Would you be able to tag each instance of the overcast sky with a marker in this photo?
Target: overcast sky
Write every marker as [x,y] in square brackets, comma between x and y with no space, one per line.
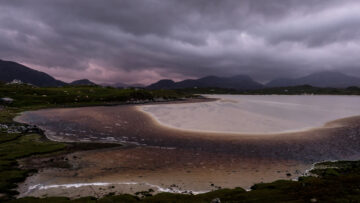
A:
[141,41]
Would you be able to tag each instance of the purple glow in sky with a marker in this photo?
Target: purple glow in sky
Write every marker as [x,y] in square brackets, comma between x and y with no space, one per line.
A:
[134,41]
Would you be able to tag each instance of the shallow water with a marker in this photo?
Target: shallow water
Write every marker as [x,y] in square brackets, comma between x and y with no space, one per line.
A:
[253,114]
[127,124]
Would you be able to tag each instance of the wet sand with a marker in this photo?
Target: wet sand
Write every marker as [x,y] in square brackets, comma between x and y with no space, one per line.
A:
[167,159]
[255,114]
[170,170]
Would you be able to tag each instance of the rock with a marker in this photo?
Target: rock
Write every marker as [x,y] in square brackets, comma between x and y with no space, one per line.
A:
[20,128]
[32,129]
[216,200]
[3,126]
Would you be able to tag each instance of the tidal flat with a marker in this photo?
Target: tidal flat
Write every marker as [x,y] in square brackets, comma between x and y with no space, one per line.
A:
[194,147]
[255,114]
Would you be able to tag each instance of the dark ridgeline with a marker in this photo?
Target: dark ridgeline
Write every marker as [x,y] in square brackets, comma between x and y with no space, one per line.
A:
[239,82]
[163,84]
[319,79]
[10,71]
[122,85]
[243,82]
[82,82]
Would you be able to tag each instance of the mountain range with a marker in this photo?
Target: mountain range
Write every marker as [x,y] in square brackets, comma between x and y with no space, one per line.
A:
[319,79]
[10,71]
[239,82]
[243,82]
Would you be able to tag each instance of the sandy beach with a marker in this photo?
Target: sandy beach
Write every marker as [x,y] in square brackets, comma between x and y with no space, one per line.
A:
[166,159]
[139,169]
[255,114]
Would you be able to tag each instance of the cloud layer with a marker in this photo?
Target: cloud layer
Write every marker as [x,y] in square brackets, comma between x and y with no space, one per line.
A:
[142,41]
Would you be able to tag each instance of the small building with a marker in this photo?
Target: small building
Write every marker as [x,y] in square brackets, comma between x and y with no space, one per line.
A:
[6,100]
[15,82]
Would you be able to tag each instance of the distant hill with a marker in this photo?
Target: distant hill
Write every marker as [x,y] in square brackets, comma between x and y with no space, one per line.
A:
[319,79]
[82,82]
[10,71]
[239,82]
[163,84]
[136,85]
[122,85]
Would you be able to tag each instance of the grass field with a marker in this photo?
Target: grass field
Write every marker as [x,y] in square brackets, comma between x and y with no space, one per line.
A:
[26,96]
[294,90]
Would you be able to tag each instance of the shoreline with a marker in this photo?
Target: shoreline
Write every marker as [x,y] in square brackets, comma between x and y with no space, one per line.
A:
[159,189]
[18,119]
[138,152]
[158,181]
[139,107]
[161,119]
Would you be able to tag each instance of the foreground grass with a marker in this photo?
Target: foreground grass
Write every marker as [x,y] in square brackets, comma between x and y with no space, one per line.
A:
[23,146]
[14,146]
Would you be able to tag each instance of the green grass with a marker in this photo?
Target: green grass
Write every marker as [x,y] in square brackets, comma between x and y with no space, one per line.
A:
[5,137]
[13,149]
[294,90]
[25,96]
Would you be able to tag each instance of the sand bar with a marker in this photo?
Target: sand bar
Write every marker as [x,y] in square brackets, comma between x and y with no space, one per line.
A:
[255,114]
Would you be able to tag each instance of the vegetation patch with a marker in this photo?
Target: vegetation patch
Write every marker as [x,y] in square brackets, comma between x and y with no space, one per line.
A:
[27,96]
[293,90]
[11,150]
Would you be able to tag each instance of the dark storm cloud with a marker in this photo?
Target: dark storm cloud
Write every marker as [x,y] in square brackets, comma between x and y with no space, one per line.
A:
[142,41]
